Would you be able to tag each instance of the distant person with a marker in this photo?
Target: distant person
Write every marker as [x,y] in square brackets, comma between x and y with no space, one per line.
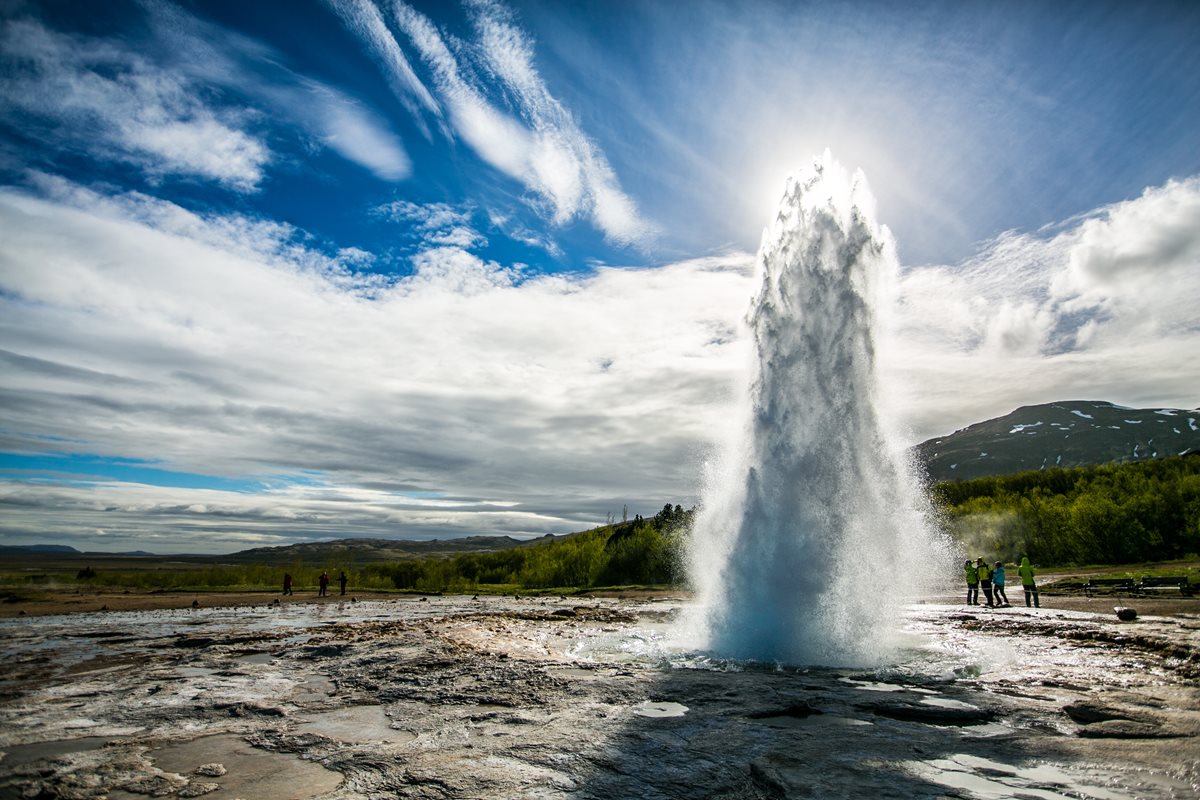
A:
[287,583]
[985,580]
[342,581]
[324,581]
[1026,572]
[972,574]
[998,579]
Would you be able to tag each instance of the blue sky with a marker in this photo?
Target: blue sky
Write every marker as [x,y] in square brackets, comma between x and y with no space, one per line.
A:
[275,271]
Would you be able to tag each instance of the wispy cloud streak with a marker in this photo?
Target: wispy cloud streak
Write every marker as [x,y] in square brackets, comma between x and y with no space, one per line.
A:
[365,19]
[542,147]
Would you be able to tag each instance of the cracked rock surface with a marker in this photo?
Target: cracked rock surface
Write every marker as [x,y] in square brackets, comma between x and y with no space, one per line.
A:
[553,698]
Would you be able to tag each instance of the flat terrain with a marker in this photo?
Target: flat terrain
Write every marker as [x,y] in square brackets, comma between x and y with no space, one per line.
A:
[453,697]
[42,602]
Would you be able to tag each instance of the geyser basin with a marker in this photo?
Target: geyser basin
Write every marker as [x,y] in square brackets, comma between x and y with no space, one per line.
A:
[814,522]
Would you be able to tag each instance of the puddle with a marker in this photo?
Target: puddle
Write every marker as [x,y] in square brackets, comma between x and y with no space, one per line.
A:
[256,658]
[19,754]
[649,708]
[577,674]
[195,672]
[357,724]
[946,702]
[249,772]
[313,689]
[874,686]
[985,778]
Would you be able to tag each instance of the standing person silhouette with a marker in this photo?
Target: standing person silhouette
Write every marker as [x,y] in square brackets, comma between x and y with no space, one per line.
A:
[342,580]
[998,580]
[985,580]
[287,583]
[972,575]
[324,581]
[1026,572]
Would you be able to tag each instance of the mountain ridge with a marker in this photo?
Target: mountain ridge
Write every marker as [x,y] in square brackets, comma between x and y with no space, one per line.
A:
[1063,433]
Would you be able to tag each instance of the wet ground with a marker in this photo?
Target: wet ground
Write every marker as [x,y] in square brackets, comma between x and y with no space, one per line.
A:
[452,697]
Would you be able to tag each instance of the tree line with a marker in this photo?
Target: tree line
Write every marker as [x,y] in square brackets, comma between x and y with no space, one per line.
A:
[642,552]
[1111,514]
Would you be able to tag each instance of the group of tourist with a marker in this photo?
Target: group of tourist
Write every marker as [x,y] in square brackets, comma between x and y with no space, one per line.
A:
[992,579]
[322,582]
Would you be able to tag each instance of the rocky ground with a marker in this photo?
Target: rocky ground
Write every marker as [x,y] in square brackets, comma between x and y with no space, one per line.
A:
[453,697]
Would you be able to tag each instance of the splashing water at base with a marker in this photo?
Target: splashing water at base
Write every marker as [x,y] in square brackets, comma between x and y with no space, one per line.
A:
[813,528]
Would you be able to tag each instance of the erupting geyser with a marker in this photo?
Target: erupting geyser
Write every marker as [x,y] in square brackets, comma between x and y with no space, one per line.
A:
[813,530]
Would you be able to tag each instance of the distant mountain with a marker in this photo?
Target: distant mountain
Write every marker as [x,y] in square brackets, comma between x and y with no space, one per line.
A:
[39,548]
[373,550]
[1072,433]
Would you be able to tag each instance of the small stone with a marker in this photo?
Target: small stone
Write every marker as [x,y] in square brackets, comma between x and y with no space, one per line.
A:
[1125,614]
[213,770]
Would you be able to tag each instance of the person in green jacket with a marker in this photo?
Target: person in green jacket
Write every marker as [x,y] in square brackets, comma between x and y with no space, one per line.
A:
[1026,572]
[972,574]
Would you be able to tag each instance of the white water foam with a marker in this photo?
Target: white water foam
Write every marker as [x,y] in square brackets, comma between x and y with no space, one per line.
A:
[813,529]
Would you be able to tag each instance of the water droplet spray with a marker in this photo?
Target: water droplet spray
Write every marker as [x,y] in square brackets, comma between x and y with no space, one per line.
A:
[813,528]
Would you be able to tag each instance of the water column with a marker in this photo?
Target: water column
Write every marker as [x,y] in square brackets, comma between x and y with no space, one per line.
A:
[812,529]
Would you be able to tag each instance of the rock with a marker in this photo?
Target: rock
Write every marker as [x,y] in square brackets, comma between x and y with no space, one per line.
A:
[1125,614]
[1127,729]
[197,789]
[929,714]
[795,711]
[195,604]
[213,770]
[1088,713]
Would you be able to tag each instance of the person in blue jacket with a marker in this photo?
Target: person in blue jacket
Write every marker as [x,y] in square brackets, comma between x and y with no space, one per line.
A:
[998,584]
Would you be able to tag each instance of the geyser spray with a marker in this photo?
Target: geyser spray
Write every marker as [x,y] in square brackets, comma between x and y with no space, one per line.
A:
[813,527]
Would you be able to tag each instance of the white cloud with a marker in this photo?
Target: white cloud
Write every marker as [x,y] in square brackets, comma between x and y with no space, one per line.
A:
[222,346]
[436,224]
[543,148]
[130,107]
[568,164]
[189,102]
[523,403]
[347,127]
[1102,307]
[363,17]
[1138,263]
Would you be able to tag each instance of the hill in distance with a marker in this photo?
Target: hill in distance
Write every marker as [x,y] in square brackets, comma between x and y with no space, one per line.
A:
[372,550]
[1072,433]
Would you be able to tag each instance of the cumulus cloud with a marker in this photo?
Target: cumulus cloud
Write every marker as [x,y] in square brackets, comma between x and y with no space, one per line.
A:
[1101,307]
[1137,263]
[517,399]
[435,224]
[472,397]
[542,145]
[131,108]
